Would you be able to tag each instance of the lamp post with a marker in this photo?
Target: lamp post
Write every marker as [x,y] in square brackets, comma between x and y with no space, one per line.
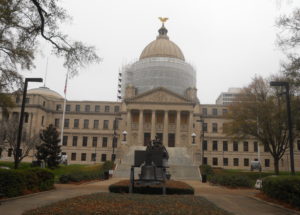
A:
[288,106]
[113,157]
[193,136]
[202,138]
[17,153]
[124,135]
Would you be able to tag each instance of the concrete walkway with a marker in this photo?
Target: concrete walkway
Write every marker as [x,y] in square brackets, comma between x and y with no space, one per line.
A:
[237,201]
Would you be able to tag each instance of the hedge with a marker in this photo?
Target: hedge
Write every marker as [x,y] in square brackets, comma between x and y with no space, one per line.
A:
[231,180]
[172,187]
[284,188]
[87,173]
[19,182]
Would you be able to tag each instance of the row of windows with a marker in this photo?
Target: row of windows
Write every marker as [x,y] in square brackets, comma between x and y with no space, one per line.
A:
[86,123]
[87,108]
[85,141]
[83,157]
[214,111]
[246,161]
[235,146]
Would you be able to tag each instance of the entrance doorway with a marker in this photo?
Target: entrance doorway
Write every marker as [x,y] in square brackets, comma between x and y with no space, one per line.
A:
[171,140]
[147,138]
[160,136]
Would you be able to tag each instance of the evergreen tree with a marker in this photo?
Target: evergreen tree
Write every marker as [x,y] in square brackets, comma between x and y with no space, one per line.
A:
[49,151]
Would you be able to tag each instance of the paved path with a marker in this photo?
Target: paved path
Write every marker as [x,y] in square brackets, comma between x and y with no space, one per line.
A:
[237,201]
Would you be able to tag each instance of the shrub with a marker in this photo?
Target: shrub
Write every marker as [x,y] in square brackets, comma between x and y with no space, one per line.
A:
[231,180]
[18,182]
[172,187]
[285,188]
[86,173]
[206,170]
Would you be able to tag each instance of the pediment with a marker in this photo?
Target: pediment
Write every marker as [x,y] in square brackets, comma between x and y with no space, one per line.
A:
[160,95]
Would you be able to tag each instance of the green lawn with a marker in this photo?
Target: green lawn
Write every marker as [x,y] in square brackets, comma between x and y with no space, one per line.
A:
[22,165]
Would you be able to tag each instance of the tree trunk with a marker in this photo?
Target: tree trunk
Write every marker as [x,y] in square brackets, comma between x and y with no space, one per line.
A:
[276,166]
[17,161]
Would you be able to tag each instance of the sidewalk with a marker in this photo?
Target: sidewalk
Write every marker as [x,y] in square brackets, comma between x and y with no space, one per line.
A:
[237,201]
[62,191]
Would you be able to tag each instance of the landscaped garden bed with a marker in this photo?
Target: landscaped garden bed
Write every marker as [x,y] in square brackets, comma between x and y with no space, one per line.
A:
[119,204]
[172,187]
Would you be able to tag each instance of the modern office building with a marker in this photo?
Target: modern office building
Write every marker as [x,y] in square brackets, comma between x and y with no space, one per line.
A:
[229,97]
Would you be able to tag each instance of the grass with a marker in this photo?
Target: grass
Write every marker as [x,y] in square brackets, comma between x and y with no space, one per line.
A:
[22,165]
[134,204]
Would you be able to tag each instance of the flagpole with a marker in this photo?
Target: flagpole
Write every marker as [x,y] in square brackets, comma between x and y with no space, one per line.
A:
[64,111]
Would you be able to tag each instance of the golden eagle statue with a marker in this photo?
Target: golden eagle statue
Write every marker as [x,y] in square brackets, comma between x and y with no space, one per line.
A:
[163,19]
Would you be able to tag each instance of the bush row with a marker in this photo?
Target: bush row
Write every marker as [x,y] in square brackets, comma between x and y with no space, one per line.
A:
[284,188]
[172,187]
[232,180]
[87,173]
[19,182]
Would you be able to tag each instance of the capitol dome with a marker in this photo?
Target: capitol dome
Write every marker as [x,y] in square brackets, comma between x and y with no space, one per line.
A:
[162,47]
[45,91]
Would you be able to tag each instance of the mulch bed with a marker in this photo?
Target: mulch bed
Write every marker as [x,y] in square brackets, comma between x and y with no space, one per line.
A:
[266,198]
[133,204]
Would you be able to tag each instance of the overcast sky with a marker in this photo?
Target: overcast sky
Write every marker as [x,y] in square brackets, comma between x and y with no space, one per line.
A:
[227,42]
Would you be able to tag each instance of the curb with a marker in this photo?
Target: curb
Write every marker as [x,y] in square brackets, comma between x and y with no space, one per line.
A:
[275,205]
[25,196]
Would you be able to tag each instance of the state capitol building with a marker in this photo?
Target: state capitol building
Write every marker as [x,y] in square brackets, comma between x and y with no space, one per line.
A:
[159,98]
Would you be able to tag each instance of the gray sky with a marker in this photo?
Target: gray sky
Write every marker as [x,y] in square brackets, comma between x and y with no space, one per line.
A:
[228,42]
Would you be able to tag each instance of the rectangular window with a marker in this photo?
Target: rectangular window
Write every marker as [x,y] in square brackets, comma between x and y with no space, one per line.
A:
[10,152]
[58,107]
[104,142]
[17,99]
[235,162]
[97,108]
[77,108]
[266,148]
[74,143]
[214,127]
[87,108]
[214,111]
[67,121]
[84,141]
[204,111]
[44,103]
[26,117]
[246,162]
[204,127]
[235,146]
[76,123]
[27,100]
[93,157]
[73,156]
[205,160]
[105,124]
[95,139]
[267,162]
[225,146]
[96,123]
[65,140]
[215,161]
[83,156]
[86,123]
[245,146]
[103,157]
[56,123]
[43,119]
[255,146]
[298,145]
[204,145]
[106,108]
[117,109]
[215,145]
[68,108]
[225,161]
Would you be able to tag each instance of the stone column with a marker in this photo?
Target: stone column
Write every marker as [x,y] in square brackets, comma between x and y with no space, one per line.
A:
[141,129]
[128,128]
[166,128]
[153,129]
[190,128]
[177,135]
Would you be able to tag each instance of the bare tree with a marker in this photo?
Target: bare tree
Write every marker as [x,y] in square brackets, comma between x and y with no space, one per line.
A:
[8,140]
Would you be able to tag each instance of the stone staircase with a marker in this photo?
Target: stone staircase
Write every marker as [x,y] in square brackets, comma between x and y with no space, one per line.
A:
[180,163]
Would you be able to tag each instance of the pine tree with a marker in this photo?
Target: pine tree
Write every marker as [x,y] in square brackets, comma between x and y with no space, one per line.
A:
[49,151]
